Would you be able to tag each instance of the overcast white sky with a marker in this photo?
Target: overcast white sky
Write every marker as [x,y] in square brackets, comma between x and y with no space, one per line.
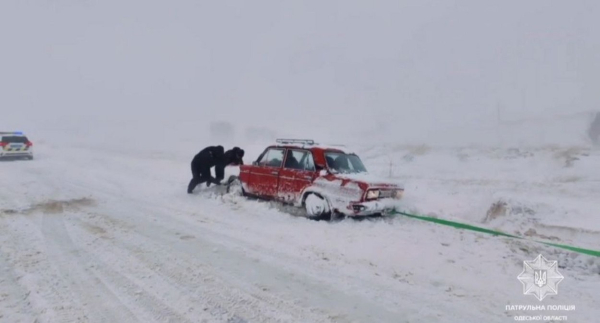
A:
[409,65]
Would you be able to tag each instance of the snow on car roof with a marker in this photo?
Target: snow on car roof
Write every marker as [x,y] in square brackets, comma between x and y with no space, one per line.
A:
[310,144]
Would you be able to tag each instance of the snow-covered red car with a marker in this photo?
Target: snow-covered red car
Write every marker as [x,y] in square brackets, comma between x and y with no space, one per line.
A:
[328,181]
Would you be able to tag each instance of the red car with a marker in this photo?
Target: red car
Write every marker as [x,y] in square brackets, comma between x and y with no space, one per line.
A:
[327,181]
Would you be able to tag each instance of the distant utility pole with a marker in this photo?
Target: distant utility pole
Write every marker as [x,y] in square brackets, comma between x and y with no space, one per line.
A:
[499,123]
[498,117]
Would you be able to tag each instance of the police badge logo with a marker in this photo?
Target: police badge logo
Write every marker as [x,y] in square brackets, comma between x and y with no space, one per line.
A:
[540,277]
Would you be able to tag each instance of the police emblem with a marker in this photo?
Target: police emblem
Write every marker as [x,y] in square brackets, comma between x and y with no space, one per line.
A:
[540,277]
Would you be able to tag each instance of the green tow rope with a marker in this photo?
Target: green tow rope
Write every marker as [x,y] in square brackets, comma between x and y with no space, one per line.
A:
[465,226]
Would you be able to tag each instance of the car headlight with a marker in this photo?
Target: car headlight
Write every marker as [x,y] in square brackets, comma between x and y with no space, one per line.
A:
[372,195]
[398,194]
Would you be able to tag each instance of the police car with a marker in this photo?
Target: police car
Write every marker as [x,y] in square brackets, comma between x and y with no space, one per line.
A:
[15,145]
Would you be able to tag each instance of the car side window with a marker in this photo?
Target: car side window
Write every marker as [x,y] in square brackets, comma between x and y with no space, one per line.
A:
[294,158]
[273,158]
[299,159]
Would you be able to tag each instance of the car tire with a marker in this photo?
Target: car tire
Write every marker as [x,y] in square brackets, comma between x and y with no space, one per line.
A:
[235,187]
[317,207]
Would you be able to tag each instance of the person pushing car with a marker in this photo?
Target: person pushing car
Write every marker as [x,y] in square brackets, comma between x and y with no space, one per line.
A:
[213,156]
[233,156]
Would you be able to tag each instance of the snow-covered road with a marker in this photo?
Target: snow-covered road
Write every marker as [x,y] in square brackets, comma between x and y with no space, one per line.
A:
[92,234]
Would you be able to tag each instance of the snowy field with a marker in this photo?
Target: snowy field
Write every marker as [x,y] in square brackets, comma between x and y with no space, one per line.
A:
[96,232]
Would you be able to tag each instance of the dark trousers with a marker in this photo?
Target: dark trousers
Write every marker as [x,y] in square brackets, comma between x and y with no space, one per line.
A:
[199,177]
[194,182]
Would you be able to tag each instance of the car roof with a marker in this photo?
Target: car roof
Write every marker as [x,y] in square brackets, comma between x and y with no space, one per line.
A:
[12,133]
[309,145]
[311,148]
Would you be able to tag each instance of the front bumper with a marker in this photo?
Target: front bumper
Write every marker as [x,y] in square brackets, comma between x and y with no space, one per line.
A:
[382,206]
[18,154]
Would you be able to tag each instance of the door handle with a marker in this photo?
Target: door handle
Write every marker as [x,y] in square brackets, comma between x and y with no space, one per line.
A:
[308,177]
[274,173]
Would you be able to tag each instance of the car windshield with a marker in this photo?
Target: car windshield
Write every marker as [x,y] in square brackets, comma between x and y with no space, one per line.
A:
[344,163]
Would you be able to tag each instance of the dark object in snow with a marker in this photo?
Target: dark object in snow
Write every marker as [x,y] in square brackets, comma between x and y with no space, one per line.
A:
[594,130]
[202,163]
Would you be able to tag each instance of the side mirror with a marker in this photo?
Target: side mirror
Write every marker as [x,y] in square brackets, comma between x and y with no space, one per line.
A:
[321,170]
[254,163]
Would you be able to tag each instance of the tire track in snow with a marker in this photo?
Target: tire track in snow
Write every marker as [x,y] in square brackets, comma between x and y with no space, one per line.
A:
[74,264]
[295,279]
[151,300]
[14,304]
[48,293]
[364,291]
[230,299]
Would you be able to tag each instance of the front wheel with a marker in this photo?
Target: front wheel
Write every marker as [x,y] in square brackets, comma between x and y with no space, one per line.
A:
[317,208]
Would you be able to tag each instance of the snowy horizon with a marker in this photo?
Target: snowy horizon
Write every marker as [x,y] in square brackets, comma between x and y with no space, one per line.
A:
[418,72]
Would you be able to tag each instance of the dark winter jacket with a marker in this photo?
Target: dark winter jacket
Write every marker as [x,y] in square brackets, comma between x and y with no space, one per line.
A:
[206,159]
[231,157]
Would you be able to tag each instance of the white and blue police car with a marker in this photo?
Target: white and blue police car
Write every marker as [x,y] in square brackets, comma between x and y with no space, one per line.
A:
[15,144]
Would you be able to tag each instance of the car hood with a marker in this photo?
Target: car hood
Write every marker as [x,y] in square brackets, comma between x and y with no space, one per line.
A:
[371,180]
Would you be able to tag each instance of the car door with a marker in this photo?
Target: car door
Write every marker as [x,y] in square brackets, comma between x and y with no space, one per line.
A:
[247,173]
[264,178]
[297,173]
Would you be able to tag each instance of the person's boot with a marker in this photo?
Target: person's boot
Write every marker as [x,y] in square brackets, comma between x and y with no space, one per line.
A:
[191,187]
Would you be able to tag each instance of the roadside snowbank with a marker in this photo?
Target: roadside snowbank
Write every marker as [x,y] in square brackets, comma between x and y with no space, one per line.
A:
[543,192]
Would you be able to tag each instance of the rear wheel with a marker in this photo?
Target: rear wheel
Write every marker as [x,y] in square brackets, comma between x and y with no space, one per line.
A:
[317,208]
